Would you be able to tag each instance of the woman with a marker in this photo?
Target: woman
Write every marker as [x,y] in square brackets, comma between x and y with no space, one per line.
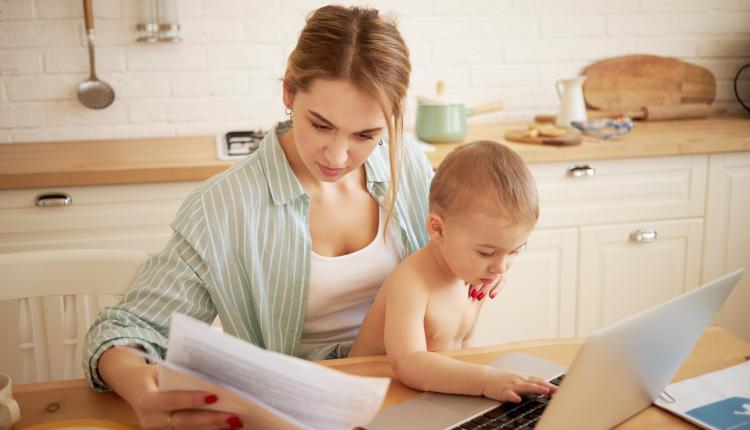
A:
[290,245]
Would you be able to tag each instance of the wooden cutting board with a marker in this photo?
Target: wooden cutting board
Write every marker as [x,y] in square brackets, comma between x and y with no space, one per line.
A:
[635,81]
[567,139]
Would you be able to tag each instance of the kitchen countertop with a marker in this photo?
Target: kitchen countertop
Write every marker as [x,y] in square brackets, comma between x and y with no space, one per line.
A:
[647,139]
[81,163]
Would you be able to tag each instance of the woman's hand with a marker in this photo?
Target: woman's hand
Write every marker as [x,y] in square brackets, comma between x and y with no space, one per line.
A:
[482,290]
[136,382]
[507,386]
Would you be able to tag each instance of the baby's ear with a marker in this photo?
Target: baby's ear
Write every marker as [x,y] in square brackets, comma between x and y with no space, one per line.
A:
[435,227]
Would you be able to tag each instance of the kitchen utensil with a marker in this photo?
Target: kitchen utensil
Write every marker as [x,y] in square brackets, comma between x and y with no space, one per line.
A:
[649,113]
[634,81]
[441,120]
[9,411]
[521,136]
[736,91]
[572,106]
[93,93]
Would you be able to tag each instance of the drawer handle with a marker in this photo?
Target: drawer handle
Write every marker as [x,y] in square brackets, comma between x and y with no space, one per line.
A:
[53,199]
[643,236]
[581,171]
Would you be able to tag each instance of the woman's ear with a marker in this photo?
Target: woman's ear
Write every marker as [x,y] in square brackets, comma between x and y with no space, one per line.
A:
[435,227]
[287,93]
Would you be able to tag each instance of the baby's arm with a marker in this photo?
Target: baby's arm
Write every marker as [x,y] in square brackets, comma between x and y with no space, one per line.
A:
[406,347]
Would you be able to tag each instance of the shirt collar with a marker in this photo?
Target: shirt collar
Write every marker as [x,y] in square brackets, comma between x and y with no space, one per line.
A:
[377,165]
[282,181]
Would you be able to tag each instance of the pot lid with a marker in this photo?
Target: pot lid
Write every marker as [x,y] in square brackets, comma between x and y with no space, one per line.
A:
[437,99]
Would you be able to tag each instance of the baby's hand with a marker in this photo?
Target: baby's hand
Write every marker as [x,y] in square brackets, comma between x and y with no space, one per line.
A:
[507,386]
[480,291]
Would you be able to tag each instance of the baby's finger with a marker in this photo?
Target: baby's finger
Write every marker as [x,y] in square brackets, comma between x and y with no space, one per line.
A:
[510,396]
[531,387]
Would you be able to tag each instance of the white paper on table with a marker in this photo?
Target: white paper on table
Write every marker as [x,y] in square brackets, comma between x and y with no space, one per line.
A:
[284,391]
[703,390]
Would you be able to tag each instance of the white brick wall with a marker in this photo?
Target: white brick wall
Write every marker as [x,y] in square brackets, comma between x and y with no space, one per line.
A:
[225,73]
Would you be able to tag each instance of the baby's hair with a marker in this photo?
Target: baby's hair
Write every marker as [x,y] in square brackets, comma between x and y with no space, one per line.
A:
[485,176]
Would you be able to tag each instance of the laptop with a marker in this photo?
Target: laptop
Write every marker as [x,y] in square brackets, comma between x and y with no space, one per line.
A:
[619,371]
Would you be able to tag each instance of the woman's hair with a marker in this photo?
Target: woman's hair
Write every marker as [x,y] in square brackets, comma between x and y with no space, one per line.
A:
[485,176]
[358,45]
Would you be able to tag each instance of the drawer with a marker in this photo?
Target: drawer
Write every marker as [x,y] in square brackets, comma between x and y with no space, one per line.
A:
[605,191]
[116,206]
[101,194]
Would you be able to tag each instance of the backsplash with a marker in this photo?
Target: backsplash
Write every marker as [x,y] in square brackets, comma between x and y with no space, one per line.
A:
[226,72]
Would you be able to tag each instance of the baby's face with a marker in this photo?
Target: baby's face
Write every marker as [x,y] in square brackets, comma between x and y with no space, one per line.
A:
[478,247]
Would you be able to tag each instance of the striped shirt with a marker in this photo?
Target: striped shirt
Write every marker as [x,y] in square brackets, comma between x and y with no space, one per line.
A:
[241,249]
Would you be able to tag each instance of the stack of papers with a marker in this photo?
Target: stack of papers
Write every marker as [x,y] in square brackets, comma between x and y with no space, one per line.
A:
[265,389]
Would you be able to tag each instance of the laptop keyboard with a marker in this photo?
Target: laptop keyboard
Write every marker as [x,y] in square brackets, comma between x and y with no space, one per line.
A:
[522,415]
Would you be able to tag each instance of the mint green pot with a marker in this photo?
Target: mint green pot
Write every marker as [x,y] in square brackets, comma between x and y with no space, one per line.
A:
[447,123]
[440,124]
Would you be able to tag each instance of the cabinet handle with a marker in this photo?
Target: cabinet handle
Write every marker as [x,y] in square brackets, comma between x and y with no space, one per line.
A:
[644,235]
[581,171]
[53,199]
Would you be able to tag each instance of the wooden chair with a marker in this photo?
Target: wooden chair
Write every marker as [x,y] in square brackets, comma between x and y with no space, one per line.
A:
[58,294]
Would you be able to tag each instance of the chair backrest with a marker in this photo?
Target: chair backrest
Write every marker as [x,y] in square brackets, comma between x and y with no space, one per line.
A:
[58,293]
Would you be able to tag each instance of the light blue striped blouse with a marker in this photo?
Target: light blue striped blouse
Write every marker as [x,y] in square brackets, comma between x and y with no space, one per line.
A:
[241,250]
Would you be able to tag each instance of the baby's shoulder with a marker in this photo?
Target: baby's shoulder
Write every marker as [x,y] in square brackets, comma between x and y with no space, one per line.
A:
[406,277]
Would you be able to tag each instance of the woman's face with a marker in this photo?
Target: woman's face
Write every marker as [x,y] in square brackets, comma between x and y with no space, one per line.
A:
[336,127]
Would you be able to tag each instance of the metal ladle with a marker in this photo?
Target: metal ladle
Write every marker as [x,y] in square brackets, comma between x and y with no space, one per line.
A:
[93,93]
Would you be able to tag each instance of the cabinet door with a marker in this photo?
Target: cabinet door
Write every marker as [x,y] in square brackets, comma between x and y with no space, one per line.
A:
[727,238]
[623,190]
[538,300]
[621,274]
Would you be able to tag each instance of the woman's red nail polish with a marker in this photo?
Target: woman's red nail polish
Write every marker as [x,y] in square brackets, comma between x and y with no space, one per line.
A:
[234,422]
[480,296]
[210,399]
[473,292]
[492,295]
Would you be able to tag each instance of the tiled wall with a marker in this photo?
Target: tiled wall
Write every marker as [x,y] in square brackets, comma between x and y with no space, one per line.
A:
[225,73]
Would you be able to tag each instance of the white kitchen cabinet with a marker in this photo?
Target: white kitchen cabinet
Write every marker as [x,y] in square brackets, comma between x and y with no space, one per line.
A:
[727,236]
[587,263]
[591,192]
[625,269]
[538,301]
[134,216]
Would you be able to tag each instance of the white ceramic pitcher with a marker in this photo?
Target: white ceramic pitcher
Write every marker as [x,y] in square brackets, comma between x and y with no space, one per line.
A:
[572,105]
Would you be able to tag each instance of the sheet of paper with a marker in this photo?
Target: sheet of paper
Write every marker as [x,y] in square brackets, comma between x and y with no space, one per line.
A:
[300,392]
[716,400]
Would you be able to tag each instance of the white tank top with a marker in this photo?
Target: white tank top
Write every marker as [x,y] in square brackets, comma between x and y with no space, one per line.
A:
[343,288]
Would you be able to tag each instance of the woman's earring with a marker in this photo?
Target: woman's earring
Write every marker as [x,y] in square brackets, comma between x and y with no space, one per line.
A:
[381,142]
[288,111]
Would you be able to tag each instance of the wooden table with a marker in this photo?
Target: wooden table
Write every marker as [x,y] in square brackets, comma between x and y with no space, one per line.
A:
[51,401]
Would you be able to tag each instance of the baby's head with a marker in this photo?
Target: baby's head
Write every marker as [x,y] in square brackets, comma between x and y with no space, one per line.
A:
[483,206]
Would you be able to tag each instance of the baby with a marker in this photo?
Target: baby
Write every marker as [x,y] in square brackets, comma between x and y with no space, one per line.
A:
[483,206]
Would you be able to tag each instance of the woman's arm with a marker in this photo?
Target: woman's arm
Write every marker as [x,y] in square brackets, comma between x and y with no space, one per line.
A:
[166,284]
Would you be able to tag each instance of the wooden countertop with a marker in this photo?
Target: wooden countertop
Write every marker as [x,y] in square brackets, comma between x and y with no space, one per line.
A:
[647,139]
[100,162]
[80,163]
[65,400]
